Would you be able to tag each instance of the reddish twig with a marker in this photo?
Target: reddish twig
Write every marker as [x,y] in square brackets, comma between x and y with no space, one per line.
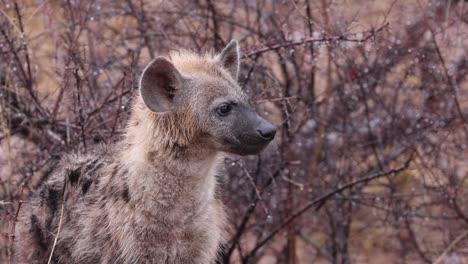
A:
[269,47]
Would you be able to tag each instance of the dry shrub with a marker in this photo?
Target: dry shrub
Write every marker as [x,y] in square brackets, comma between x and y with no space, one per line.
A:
[370,98]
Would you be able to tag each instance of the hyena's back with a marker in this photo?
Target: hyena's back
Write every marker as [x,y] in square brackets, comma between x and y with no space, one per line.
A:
[73,196]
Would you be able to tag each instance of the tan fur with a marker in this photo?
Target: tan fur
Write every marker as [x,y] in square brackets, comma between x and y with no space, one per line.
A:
[148,199]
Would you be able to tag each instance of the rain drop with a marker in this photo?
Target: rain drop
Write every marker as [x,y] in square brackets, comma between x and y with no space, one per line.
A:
[269,219]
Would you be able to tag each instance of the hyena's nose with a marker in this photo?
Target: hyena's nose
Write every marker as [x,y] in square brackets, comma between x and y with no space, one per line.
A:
[267,131]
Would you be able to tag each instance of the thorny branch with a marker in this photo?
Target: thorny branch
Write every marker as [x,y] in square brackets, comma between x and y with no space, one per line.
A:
[350,98]
[288,44]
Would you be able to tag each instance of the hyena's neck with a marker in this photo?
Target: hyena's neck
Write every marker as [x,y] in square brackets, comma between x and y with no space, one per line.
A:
[165,173]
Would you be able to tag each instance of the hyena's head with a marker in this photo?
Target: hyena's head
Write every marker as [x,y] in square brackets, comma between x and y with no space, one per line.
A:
[204,89]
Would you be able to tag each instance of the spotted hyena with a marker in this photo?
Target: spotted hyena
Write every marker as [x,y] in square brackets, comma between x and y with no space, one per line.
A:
[151,197]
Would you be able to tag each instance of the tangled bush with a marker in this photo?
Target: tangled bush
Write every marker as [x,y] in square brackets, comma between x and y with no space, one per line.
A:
[370,98]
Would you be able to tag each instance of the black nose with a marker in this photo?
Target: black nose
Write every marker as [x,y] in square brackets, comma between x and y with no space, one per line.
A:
[267,131]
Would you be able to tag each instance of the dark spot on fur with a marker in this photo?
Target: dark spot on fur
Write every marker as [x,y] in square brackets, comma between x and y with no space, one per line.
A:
[126,193]
[86,185]
[36,230]
[43,195]
[98,139]
[74,175]
[52,200]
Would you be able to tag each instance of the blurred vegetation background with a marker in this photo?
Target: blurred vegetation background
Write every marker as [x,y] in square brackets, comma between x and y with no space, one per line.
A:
[371,98]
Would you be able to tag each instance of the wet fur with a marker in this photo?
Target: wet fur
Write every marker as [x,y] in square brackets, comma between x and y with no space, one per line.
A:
[148,199]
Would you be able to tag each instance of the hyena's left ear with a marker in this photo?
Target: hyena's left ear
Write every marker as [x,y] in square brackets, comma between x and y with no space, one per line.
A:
[160,84]
[229,58]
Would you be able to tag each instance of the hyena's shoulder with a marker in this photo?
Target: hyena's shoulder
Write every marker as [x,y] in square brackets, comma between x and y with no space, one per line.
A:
[72,185]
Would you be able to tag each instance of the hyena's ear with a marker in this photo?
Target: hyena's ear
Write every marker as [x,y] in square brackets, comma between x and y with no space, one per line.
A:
[229,58]
[159,85]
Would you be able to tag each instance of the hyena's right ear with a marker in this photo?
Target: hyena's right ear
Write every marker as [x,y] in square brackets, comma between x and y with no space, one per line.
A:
[229,58]
[159,85]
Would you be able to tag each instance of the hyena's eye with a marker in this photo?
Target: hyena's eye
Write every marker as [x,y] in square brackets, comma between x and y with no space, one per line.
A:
[224,109]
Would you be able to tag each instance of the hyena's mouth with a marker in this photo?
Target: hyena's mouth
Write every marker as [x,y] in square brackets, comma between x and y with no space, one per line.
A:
[247,145]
